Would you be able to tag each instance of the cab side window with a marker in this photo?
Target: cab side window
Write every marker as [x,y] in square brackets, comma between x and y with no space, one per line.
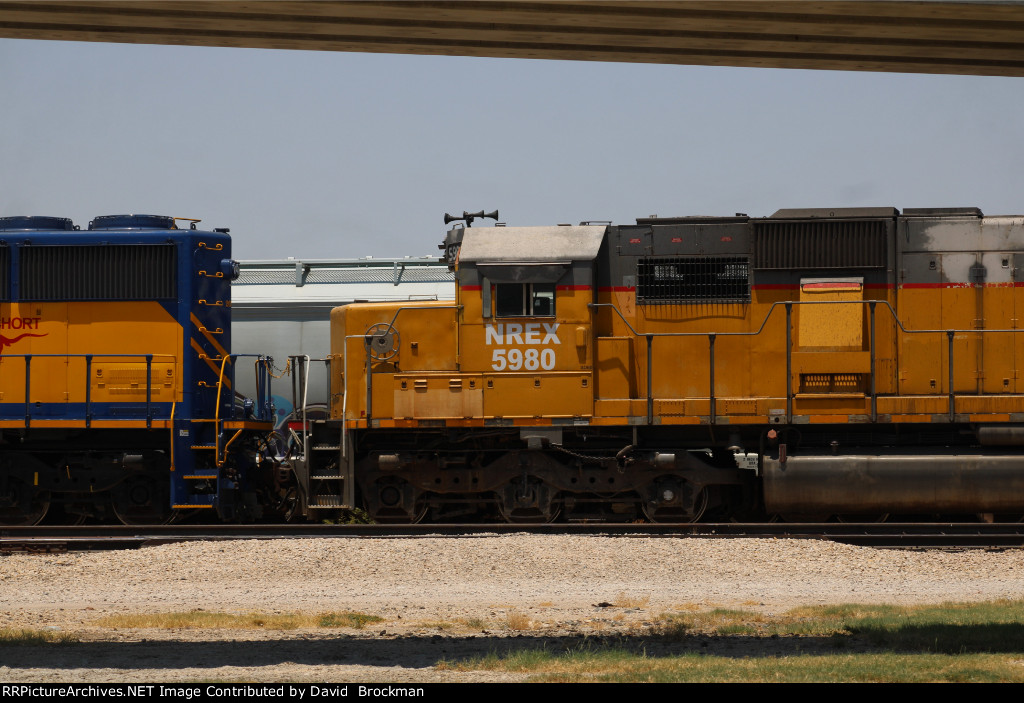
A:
[524,299]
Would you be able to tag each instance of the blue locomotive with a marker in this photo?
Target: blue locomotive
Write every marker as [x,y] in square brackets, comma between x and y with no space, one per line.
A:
[116,375]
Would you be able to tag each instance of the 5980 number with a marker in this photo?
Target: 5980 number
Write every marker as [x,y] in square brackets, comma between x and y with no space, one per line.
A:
[517,359]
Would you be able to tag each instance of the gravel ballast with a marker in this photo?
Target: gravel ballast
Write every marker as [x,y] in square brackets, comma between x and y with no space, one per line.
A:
[440,598]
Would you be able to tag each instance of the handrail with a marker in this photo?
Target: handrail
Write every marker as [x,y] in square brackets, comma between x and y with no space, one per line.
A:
[788,304]
[369,365]
[216,414]
[88,393]
[301,365]
[149,390]
[89,358]
[712,336]
[305,397]
[391,325]
[261,393]
[777,303]
[344,398]
[170,426]
[82,356]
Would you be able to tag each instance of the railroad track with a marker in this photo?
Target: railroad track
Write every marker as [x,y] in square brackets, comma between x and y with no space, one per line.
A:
[55,538]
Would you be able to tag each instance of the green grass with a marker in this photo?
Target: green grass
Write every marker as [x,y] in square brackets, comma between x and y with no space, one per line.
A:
[354,516]
[348,619]
[202,619]
[458,625]
[950,628]
[11,637]
[952,642]
[620,666]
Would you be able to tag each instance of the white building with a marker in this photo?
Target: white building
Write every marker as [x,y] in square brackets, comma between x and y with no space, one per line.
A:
[282,308]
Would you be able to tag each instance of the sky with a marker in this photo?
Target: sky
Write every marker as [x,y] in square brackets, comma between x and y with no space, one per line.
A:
[342,155]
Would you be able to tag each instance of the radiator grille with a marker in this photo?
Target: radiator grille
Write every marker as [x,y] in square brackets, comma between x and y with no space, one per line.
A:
[109,272]
[693,279]
[820,244]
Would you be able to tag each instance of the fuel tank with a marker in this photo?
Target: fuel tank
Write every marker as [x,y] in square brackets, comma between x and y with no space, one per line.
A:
[967,483]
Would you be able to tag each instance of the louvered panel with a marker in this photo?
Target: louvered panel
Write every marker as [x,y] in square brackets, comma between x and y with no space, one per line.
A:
[113,272]
[692,279]
[820,244]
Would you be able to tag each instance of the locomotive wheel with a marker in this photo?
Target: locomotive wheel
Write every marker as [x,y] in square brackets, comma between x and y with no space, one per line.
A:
[386,516]
[528,516]
[393,501]
[656,513]
[142,500]
[1000,517]
[62,515]
[420,513]
[21,504]
[290,505]
[528,501]
[671,499]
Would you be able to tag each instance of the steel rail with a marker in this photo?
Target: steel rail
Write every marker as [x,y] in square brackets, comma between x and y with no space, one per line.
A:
[50,538]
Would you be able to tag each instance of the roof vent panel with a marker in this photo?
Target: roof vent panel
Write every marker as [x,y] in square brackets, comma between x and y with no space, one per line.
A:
[36,222]
[132,222]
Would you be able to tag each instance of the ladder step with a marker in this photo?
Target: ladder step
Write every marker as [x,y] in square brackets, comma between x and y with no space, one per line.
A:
[326,447]
[204,500]
[199,477]
[204,446]
[327,477]
[327,501]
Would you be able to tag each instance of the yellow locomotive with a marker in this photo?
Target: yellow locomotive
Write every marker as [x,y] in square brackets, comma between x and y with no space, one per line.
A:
[814,363]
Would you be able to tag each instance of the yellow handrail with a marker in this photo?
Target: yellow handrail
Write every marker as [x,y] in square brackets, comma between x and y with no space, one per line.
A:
[216,416]
[221,462]
[171,424]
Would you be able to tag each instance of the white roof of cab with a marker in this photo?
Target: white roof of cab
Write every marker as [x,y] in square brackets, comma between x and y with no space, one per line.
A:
[531,244]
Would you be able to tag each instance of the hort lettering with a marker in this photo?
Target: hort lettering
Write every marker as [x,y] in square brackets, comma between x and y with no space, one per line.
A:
[19,323]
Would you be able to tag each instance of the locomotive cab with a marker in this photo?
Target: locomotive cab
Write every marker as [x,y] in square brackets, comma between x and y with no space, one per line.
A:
[526,324]
[513,350]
